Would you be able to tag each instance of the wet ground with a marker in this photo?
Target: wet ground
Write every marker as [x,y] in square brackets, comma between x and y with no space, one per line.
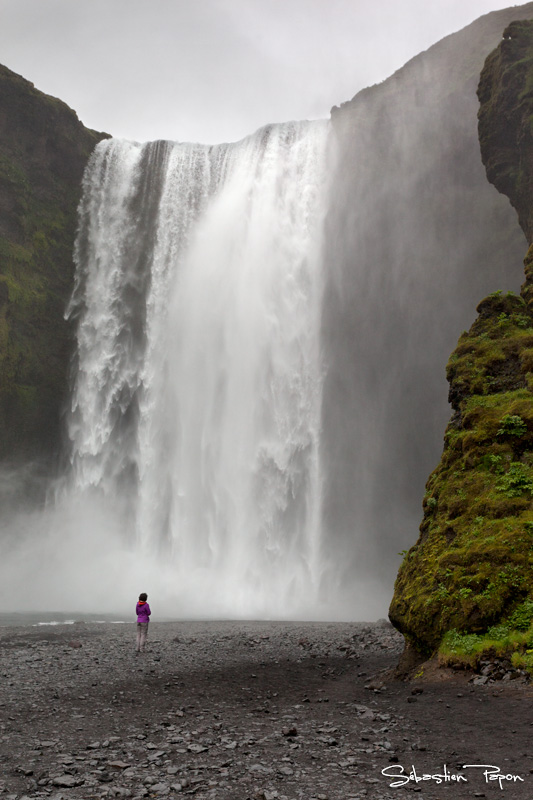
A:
[260,710]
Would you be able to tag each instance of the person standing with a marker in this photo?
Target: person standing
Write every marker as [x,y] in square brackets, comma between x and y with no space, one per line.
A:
[143,612]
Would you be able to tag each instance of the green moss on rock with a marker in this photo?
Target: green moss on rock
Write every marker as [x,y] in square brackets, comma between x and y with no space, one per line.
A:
[473,562]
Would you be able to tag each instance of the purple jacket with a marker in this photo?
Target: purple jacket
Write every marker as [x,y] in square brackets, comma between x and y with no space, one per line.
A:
[143,612]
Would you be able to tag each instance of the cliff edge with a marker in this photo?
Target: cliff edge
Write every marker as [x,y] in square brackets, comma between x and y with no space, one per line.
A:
[43,151]
[466,586]
[415,237]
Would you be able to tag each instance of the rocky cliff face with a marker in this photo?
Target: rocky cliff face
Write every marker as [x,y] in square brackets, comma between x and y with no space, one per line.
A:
[471,570]
[43,152]
[415,237]
[506,119]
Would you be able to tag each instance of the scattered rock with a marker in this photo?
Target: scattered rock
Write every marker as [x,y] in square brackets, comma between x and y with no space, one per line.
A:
[67,781]
[289,731]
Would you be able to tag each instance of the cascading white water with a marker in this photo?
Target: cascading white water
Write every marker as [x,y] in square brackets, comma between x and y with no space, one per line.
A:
[196,403]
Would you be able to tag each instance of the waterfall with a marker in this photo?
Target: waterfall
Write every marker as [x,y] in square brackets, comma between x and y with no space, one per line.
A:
[196,399]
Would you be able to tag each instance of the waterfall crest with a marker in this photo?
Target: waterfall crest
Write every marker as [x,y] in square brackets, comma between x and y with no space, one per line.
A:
[197,393]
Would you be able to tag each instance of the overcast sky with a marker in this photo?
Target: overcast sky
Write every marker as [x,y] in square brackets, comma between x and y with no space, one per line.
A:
[216,70]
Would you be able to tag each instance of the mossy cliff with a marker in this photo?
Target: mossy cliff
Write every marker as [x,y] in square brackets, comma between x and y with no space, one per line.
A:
[43,152]
[473,562]
[472,566]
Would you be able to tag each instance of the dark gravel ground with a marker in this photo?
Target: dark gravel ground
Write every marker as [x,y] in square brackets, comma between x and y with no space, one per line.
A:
[260,710]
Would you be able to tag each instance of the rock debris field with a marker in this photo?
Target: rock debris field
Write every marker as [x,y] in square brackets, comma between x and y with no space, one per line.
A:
[259,710]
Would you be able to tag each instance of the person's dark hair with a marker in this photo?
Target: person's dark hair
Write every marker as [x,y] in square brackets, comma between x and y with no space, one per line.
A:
[143,597]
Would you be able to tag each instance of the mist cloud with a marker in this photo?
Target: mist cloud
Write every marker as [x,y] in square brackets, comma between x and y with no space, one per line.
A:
[216,70]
